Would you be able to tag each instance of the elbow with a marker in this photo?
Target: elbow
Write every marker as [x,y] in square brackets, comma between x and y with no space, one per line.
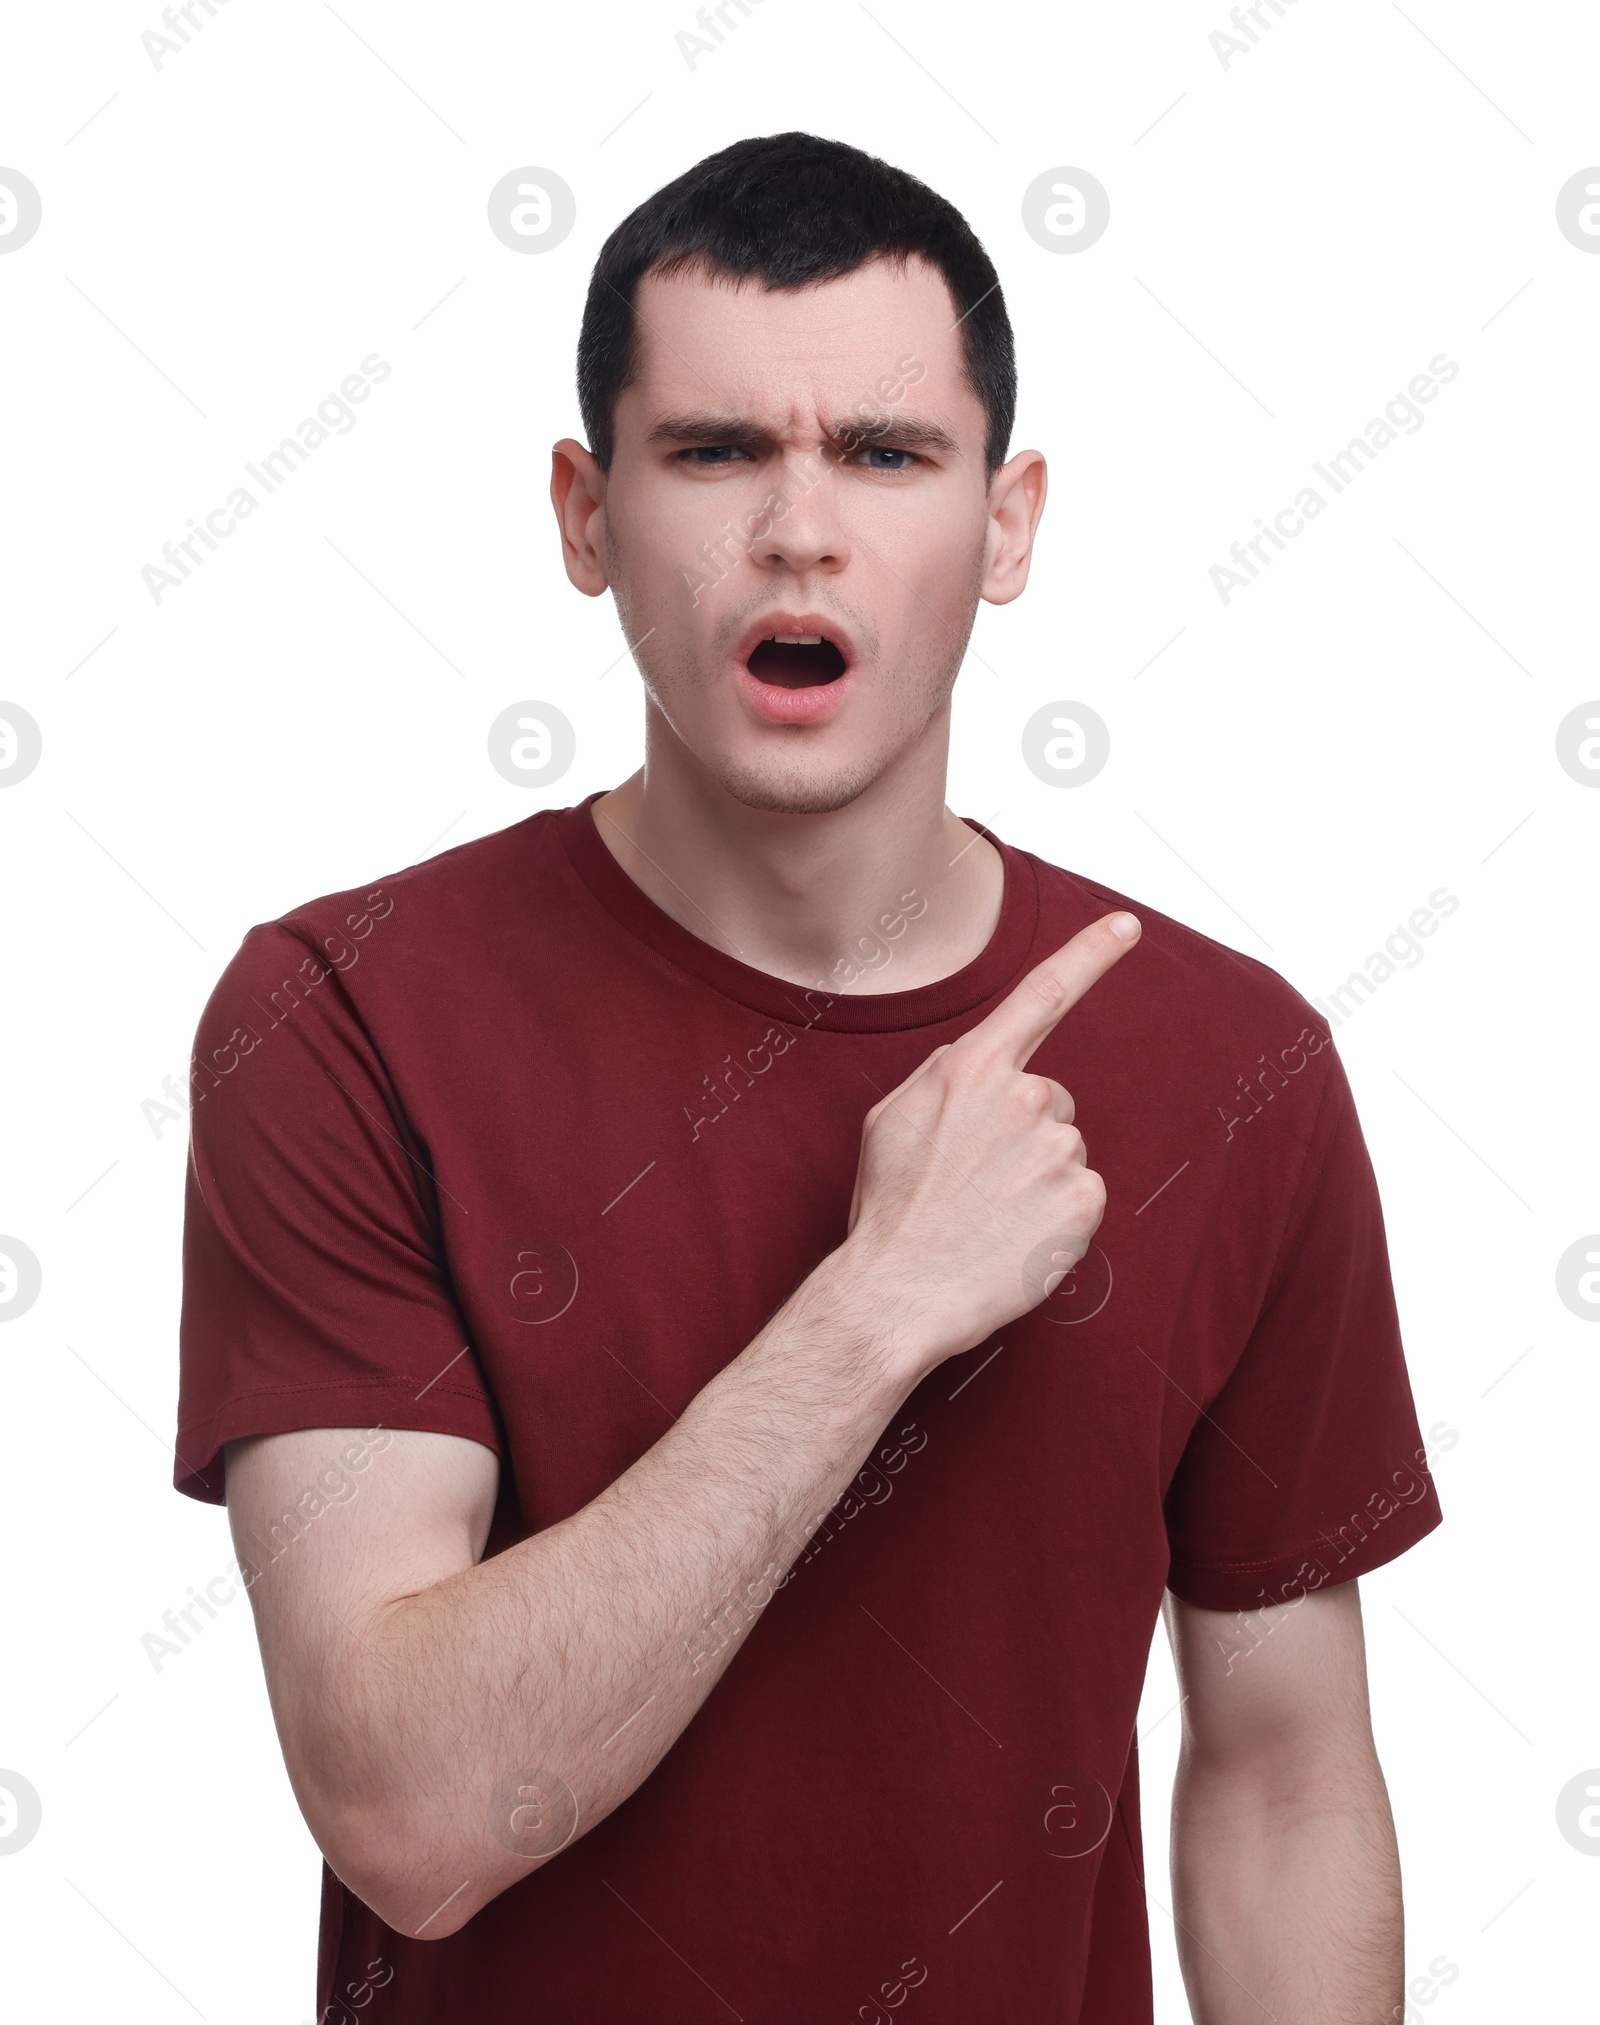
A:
[415,1850]
[420,1897]
[399,1869]
[409,1912]
[418,1883]
[1284,1771]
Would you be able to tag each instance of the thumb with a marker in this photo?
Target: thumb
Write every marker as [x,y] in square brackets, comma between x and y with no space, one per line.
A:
[920,1070]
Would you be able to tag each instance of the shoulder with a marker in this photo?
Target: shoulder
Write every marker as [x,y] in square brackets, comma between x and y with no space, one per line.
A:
[389,934]
[1181,996]
[456,894]
[1177,960]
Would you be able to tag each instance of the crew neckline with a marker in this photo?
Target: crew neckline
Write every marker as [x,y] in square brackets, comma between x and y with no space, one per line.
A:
[997,964]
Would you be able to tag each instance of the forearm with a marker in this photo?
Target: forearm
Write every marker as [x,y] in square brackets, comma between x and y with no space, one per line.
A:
[583,1651]
[1286,1888]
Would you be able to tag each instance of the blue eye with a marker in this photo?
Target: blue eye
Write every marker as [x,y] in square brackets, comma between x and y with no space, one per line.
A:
[714,453]
[883,450]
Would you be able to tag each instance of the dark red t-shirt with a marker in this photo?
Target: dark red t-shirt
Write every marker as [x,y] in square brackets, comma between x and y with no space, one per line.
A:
[498,1149]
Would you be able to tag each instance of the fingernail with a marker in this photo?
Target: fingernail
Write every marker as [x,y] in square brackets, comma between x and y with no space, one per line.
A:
[1124,926]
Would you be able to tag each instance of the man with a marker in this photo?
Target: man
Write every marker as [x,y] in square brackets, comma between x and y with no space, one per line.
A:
[706,1450]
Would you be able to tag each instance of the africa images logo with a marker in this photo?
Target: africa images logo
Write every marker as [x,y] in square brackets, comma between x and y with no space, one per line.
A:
[1402,416]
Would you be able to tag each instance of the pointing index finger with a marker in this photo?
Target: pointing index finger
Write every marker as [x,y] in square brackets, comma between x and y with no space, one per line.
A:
[1030,1012]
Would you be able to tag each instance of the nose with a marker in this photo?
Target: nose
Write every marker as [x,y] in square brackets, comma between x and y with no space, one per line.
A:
[804,524]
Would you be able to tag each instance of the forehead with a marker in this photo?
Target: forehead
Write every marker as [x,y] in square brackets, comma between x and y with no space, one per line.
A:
[706,340]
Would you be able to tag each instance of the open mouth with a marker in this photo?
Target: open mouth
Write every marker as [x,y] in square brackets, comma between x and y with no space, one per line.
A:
[796,661]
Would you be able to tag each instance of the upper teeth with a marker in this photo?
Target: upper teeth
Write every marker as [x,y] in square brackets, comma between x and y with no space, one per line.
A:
[797,639]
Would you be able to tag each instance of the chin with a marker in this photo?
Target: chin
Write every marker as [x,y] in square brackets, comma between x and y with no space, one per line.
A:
[796,790]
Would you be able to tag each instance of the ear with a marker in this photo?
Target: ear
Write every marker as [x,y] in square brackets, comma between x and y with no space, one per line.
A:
[578,494]
[1016,500]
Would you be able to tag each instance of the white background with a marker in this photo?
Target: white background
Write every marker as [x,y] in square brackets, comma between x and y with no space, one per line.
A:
[1292,239]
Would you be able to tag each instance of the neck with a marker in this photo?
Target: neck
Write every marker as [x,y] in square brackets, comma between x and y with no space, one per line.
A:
[891,892]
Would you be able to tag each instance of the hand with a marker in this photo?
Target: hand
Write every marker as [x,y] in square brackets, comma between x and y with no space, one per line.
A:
[973,1190]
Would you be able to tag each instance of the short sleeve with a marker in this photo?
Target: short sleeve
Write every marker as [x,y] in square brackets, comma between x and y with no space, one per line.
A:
[315,1292]
[1308,1468]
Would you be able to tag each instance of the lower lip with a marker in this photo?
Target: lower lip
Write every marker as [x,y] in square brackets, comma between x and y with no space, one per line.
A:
[794,706]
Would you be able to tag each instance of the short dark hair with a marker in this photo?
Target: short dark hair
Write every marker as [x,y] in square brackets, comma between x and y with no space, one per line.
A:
[792,210]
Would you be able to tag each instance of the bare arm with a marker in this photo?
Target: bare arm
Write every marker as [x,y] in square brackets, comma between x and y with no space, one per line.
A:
[1285,1875]
[413,1683]
[418,1690]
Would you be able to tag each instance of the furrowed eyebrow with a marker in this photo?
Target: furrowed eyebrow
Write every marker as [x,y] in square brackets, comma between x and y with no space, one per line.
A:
[903,432]
[900,432]
[707,429]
